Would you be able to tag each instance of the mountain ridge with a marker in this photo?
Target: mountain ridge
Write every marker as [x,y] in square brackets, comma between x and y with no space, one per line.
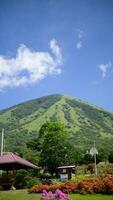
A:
[63,95]
[84,122]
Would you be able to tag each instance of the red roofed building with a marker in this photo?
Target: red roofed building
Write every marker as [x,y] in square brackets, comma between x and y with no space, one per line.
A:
[10,161]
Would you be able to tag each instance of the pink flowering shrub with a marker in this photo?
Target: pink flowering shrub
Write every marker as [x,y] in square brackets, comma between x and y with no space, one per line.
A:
[87,186]
[108,184]
[57,195]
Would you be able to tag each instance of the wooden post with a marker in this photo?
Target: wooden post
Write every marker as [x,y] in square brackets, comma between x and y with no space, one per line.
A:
[2,142]
[2,146]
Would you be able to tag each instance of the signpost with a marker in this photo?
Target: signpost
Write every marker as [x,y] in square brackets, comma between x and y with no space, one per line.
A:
[94,152]
[63,177]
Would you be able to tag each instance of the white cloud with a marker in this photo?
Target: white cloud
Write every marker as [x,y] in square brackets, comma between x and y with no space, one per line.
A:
[80,34]
[104,68]
[79,43]
[56,51]
[28,67]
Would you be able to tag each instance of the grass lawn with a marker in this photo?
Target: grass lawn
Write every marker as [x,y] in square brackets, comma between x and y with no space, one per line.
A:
[23,195]
[91,197]
[18,195]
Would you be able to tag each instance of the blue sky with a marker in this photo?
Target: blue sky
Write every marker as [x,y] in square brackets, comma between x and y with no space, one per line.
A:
[56,46]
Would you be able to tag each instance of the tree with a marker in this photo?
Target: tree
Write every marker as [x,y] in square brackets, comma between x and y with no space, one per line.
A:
[78,155]
[34,144]
[88,158]
[110,158]
[56,149]
[50,127]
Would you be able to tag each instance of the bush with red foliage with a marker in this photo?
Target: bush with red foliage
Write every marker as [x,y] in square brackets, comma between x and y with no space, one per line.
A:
[69,187]
[95,185]
[54,187]
[108,184]
[39,188]
[88,186]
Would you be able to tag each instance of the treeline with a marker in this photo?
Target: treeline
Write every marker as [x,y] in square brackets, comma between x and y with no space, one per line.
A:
[52,148]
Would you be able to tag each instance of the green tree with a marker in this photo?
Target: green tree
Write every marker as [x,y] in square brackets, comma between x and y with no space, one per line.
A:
[88,158]
[50,127]
[34,144]
[56,149]
[78,156]
[110,158]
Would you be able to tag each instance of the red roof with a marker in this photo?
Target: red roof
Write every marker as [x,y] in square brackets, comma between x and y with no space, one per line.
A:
[10,160]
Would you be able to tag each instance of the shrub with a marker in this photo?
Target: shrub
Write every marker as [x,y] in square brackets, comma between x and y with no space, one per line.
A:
[69,187]
[90,186]
[86,186]
[1,188]
[108,184]
[105,168]
[33,181]
[56,181]
[89,168]
[21,179]
[24,179]
[44,176]
[53,187]
[57,195]
[39,188]
[110,158]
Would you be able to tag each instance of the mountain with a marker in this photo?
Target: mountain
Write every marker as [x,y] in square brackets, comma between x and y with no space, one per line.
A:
[84,122]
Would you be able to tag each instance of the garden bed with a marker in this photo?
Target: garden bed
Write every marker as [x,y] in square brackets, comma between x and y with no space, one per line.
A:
[89,186]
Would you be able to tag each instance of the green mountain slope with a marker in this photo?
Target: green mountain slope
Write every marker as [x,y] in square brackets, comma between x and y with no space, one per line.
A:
[85,122]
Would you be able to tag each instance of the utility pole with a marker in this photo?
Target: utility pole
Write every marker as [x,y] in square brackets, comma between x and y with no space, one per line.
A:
[2,145]
[94,152]
[2,142]
[95,159]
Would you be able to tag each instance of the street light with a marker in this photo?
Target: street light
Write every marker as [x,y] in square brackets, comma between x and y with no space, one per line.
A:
[94,152]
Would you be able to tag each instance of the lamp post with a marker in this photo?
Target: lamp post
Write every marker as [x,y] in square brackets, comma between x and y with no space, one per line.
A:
[94,152]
